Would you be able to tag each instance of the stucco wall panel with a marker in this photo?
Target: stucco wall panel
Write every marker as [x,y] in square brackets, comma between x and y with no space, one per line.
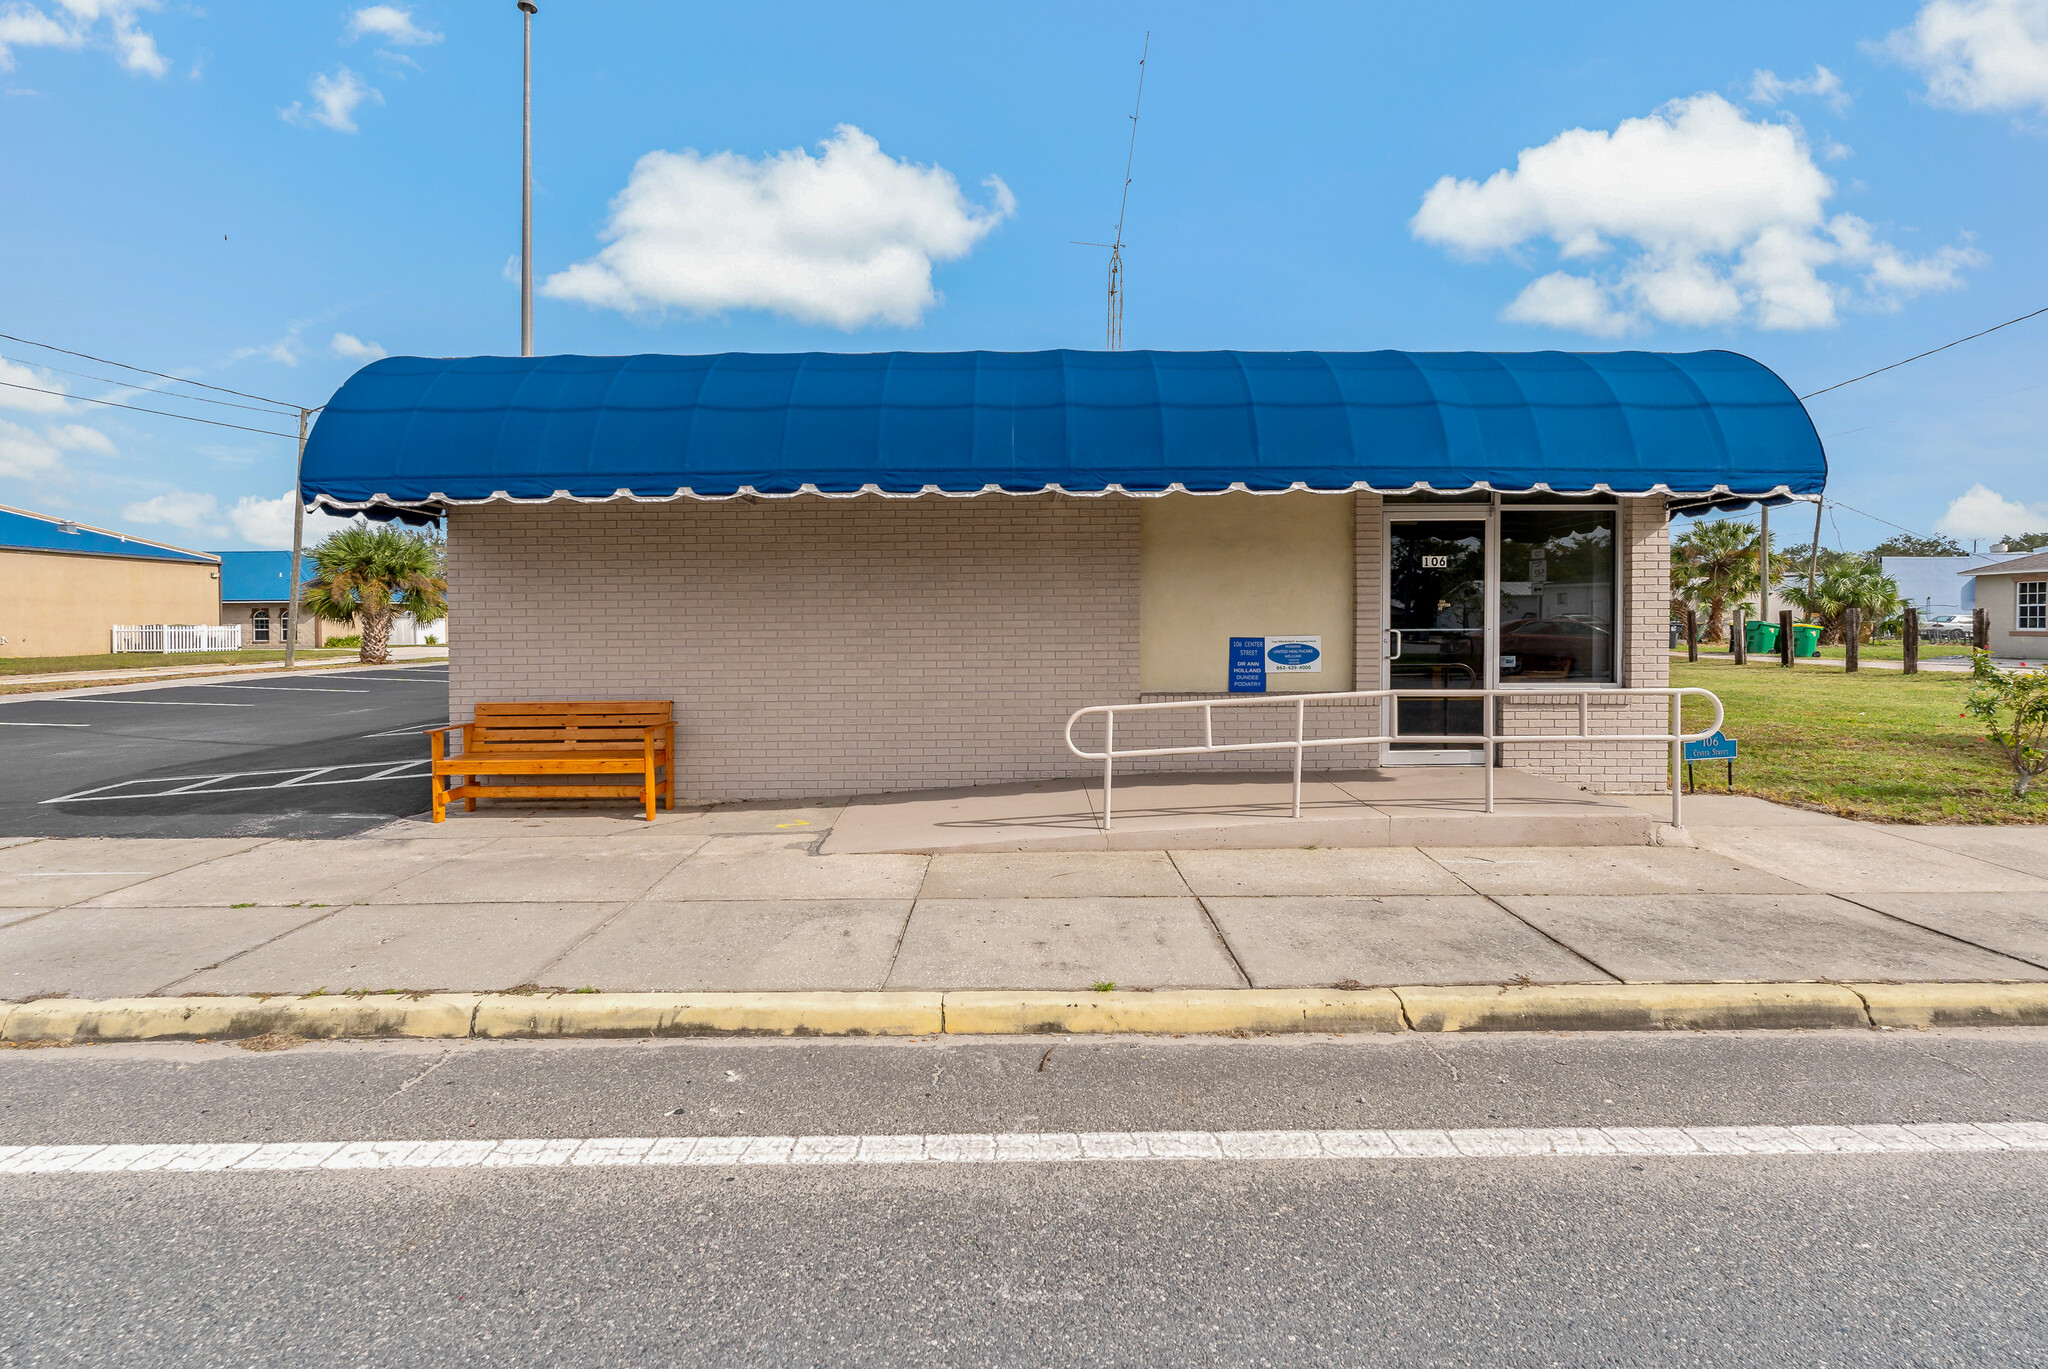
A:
[62,605]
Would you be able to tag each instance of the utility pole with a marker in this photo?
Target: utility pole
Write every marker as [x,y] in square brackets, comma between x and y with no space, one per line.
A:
[1763,567]
[291,614]
[527,9]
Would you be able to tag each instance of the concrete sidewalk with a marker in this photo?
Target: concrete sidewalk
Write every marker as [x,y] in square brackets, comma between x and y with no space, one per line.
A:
[738,898]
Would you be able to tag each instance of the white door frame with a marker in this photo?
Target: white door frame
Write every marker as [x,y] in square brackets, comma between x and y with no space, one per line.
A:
[1487,514]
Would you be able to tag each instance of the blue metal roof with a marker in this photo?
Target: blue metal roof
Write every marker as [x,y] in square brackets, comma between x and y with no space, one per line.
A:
[24,531]
[260,577]
[423,434]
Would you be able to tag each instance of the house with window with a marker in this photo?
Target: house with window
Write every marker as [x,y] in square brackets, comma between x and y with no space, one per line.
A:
[891,571]
[255,593]
[2014,593]
[64,586]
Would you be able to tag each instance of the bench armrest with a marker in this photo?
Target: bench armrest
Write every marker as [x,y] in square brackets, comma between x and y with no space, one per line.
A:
[451,727]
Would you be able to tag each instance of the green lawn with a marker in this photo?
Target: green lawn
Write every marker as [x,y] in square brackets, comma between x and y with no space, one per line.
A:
[1876,744]
[149,660]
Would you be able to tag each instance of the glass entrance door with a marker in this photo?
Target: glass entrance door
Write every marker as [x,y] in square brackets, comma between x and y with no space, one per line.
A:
[1436,634]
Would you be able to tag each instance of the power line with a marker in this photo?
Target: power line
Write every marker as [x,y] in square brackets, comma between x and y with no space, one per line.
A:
[166,413]
[161,375]
[146,389]
[1928,353]
[1834,503]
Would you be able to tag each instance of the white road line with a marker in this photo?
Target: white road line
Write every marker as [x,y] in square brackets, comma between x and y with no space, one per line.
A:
[153,703]
[980,1148]
[205,785]
[284,689]
[421,730]
[46,724]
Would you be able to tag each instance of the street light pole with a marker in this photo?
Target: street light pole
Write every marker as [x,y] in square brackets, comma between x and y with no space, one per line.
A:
[527,9]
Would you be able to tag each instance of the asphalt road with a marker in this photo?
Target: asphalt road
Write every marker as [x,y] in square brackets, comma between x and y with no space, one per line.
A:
[1727,1260]
[321,755]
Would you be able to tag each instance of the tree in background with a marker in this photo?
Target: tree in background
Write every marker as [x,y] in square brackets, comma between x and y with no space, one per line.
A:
[1848,582]
[368,572]
[1713,565]
[2031,541]
[1912,544]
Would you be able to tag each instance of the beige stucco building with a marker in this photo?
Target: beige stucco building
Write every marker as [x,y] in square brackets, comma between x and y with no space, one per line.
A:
[893,572]
[64,585]
[2014,595]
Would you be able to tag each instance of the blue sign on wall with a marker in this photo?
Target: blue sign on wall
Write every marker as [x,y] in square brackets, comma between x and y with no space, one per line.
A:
[1247,665]
[1714,748]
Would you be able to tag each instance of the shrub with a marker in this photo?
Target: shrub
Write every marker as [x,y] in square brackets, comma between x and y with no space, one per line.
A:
[2013,705]
[353,639]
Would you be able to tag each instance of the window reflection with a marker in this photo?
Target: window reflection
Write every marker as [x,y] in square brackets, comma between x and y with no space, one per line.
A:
[1557,596]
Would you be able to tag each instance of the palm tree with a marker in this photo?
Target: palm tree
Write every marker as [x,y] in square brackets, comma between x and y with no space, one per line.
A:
[1849,582]
[1714,563]
[366,573]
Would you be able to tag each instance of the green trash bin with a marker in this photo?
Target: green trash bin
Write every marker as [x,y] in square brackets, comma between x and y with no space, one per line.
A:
[1759,637]
[1806,639]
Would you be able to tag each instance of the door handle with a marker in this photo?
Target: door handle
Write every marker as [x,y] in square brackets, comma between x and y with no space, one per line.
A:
[1394,640]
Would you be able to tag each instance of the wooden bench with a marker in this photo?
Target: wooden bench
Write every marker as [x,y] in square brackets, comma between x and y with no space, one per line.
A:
[636,738]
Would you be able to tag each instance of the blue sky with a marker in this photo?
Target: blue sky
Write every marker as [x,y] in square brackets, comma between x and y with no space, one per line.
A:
[262,196]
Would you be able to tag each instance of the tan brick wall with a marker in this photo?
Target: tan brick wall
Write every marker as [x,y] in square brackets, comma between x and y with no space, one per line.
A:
[1615,767]
[820,646]
[812,646]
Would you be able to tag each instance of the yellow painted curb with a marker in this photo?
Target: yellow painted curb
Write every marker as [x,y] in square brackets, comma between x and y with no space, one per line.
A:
[1181,1010]
[1631,1007]
[1956,1005]
[710,1014]
[154,1019]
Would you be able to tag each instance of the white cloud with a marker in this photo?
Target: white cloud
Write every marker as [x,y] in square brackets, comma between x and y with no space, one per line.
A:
[1979,54]
[351,348]
[268,522]
[28,400]
[390,23]
[335,98]
[1695,215]
[1563,300]
[26,454]
[1769,88]
[76,437]
[285,351]
[846,238]
[75,24]
[179,508]
[1983,513]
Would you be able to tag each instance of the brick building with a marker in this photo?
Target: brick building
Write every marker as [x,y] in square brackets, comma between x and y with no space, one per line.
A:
[899,571]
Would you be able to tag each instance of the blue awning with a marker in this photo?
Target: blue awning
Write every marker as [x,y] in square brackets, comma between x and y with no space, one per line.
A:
[419,434]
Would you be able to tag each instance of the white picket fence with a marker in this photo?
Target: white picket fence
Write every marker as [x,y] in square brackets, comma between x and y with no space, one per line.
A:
[177,637]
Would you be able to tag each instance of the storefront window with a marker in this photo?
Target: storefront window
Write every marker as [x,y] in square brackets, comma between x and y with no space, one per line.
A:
[1557,596]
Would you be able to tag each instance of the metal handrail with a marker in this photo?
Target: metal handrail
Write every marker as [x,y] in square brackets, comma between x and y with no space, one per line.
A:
[1674,733]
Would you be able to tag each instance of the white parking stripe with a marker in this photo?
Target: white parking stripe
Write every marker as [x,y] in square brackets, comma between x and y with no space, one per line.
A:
[45,724]
[982,1148]
[284,689]
[304,777]
[148,703]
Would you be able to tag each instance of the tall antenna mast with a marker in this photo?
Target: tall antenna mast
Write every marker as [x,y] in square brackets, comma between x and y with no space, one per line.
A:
[1116,248]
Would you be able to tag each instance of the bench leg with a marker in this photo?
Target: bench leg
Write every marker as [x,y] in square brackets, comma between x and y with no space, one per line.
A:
[668,785]
[648,790]
[468,799]
[440,797]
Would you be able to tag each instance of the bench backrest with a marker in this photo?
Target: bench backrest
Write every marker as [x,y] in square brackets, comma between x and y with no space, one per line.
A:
[567,725]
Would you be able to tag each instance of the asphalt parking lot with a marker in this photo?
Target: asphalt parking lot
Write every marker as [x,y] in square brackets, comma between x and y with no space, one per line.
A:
[322,755]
